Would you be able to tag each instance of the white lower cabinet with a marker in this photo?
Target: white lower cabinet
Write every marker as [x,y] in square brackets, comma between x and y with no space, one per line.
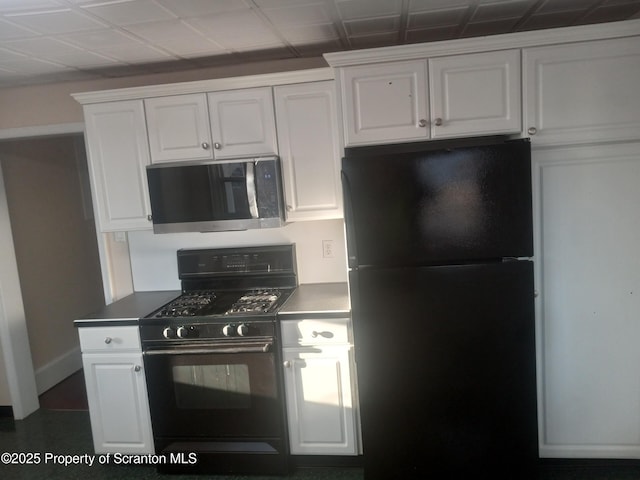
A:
[319,391]
[116,390]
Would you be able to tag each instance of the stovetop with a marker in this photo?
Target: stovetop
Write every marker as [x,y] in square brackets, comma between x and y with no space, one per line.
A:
[215,305]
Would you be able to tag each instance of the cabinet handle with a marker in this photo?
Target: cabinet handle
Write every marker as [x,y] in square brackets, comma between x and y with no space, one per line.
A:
[315,334]
[108,340]
[287,364]
[205,145]
[532,130]
[422,123]
[217,146]
[438,122]
[137,368]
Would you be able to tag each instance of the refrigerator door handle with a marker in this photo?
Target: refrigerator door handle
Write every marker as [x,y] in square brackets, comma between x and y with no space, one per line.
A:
[352,253]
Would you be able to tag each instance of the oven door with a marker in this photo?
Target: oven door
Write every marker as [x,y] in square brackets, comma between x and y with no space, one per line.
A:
[221,390]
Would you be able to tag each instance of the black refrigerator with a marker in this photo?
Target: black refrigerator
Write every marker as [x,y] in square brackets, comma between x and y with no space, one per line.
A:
[439,240]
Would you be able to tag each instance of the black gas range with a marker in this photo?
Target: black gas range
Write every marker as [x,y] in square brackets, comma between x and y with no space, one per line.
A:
[212,361]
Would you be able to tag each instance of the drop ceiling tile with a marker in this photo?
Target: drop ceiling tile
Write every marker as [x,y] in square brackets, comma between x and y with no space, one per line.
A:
[489,28]
[372,26]
[551,6]
[136,54]
[130,12]
[50,49]
[431,34]
[288,3]
[436,18]
[550,20]
[31,66]
[298,15]
[311,34]
[498,10]
[55,22]
[425,5]
[236,30]
[8,31]
[611,13]
[24,5]
[354,9]
[196,8]
[174,36]
[101,39]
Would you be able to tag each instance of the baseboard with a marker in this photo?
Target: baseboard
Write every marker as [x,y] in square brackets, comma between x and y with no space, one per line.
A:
[58,369]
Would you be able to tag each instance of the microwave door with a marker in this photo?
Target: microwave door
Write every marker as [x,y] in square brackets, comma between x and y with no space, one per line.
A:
[229,191]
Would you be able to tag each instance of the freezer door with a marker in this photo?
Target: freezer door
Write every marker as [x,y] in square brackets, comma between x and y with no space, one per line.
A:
[446,370]
[438,207]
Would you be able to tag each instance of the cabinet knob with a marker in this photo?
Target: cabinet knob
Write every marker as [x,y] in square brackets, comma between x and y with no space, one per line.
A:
[532,130]
[108,340]
[289,208]
[137,368]
[286,363]
[438,122]
[150,218]
[205,145]
[217,146]
[422,123]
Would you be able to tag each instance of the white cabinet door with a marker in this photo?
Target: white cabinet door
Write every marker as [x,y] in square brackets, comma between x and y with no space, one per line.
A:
[587,227]
[385,103]
[310,150]
[118,154]
[118,403]
[178,128]
[243,122]
[475,94]
[584,92]
[319,401]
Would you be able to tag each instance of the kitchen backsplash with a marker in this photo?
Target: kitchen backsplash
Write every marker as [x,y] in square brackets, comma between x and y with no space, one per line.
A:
[153,257]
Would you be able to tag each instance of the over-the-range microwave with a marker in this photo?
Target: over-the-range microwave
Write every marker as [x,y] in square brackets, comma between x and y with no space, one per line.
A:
[212,196]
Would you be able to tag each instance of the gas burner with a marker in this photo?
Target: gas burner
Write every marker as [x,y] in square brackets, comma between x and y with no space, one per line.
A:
[255,301]
[189,304]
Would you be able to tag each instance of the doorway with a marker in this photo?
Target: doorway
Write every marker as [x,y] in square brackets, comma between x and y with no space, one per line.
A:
[54,237]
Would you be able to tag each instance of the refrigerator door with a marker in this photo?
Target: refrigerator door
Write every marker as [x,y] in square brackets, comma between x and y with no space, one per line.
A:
[446,370]
[437,207]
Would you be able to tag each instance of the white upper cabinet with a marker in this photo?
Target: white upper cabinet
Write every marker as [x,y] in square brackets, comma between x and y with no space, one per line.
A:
[465,95]
[384,103]
[583,92]
[178,128]
[475,94]
[118,154]
[310,150]
[243,123]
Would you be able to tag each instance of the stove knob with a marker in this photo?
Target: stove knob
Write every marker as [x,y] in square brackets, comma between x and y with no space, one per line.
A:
[182,332]
[243,330]
[228,331]
[169,333]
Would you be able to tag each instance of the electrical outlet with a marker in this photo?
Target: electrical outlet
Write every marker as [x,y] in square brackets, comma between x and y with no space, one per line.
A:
[327,248]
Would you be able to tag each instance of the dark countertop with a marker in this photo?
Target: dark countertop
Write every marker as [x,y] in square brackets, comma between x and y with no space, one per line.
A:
[128,310]
[318,300]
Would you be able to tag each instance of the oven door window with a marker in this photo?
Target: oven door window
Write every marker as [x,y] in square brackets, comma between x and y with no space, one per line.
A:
[214,394]
[212,386]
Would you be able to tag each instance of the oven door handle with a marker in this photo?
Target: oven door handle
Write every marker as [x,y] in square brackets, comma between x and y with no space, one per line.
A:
[211,348]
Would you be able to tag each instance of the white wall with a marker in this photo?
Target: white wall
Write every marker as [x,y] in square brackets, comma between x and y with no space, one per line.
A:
[153,257]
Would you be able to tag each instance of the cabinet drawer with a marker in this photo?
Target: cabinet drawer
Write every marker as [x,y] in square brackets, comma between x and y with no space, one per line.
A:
[109,338]
[316,331]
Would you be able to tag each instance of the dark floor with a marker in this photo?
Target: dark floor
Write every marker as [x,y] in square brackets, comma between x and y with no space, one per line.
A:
[65,430]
